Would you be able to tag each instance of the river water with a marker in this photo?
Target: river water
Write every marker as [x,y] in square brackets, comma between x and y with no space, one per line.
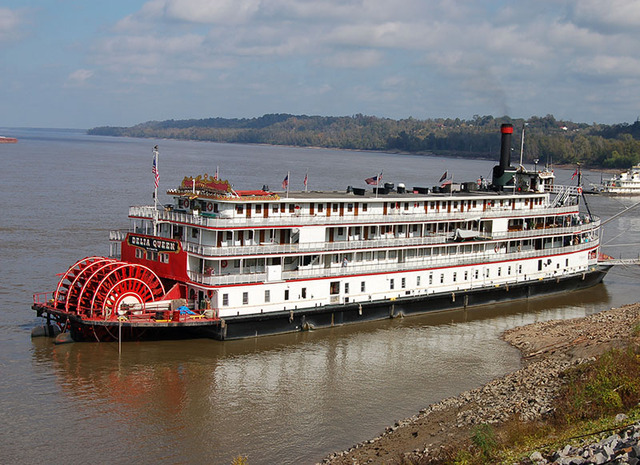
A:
[285,399]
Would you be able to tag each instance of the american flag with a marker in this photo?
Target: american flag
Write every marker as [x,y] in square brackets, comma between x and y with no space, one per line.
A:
[376,180]
[285,183]
[306,178]
[154,168]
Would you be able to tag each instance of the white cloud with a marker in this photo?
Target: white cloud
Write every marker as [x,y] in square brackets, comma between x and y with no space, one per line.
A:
[79,78]
[609,16]
[11,24]
[354,59]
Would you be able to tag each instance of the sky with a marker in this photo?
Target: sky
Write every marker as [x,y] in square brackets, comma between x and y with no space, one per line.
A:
[83,63]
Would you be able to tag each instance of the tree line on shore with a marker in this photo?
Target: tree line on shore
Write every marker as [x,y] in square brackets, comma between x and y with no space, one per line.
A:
[546,139]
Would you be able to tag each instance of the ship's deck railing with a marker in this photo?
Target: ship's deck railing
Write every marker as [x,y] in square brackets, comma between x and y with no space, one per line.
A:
[398,215]
[363,245]
[410,264]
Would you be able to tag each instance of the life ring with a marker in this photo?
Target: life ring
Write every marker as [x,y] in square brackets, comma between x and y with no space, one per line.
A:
[579,190]
[223,263]
[209,206]
[185,203]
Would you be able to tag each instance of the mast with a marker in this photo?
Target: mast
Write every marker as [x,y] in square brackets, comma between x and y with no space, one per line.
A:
[522,144]
[156,179]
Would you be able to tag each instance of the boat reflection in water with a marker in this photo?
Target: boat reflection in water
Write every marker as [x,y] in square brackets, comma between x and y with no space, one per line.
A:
[290,398]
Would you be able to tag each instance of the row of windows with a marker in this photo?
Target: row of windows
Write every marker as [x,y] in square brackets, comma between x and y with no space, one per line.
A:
[334,286]
[152,255]
[334,289]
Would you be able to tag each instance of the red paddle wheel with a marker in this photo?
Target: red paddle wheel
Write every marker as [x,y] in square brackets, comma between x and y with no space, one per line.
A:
[97,287]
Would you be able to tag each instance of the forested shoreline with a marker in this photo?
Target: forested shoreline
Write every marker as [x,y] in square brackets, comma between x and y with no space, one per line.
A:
[546,139]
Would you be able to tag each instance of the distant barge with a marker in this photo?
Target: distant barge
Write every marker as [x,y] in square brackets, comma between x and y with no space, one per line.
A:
[8,140]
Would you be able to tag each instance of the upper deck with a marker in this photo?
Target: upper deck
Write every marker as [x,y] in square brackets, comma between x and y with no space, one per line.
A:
[332,208]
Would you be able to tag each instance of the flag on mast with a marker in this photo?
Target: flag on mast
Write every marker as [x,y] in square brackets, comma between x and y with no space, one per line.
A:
[216,175]
[285,182]
[443,177]
[154,168]
[306,178]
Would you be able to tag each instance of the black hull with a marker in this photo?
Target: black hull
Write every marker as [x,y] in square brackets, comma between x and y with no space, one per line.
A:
[241,327]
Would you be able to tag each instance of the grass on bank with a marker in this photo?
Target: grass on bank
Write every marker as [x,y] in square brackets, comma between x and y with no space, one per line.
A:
[593,394]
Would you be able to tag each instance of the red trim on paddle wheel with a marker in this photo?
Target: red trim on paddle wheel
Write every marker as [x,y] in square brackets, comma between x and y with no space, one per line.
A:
[96,287]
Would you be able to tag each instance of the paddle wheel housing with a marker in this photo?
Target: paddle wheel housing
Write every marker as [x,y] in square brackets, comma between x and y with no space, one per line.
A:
[98,287]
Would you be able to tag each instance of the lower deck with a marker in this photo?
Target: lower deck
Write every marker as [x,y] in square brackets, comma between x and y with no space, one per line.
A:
[304,319]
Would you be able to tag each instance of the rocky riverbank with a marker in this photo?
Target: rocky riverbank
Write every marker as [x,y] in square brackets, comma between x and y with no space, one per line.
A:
[548,348]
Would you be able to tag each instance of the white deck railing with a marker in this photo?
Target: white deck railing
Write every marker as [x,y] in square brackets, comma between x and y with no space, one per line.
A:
[410,264]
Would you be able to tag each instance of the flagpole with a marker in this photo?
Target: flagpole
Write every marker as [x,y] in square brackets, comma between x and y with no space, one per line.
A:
[288,182]
[155,190]
[306,180]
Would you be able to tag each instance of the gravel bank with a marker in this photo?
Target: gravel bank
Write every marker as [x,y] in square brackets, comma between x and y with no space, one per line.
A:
[548,348]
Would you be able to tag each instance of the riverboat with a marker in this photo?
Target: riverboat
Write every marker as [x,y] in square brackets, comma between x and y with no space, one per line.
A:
[626,183]
[8,140]
[230,264]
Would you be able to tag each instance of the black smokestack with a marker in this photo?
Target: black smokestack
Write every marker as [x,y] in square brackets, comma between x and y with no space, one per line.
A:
[505,148]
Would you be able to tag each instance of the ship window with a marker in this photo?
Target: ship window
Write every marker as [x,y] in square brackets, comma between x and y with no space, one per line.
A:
[304,293]
[466,275]
[292,208]
[194,232]
[229,235]
[364,207]
[406,205]
[258,208]
[391,284]
[475,274]
[152,255]
[225,300]
[275,208]
[404,283]
[267,296]
[281,208]
[442,278]
[455,276]
[164,258]
[509,270]
[334,287]
[362,286]
[335,207]
[320,207]
[286,294]
[519,268]
[346,288]
[245,298]
[239,209]
[539,265]
[417,280]
[140,253]
[340,231]
[349,207]
[499,271]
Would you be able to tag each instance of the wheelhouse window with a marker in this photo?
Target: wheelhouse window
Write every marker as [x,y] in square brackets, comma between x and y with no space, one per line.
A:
[334,287]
